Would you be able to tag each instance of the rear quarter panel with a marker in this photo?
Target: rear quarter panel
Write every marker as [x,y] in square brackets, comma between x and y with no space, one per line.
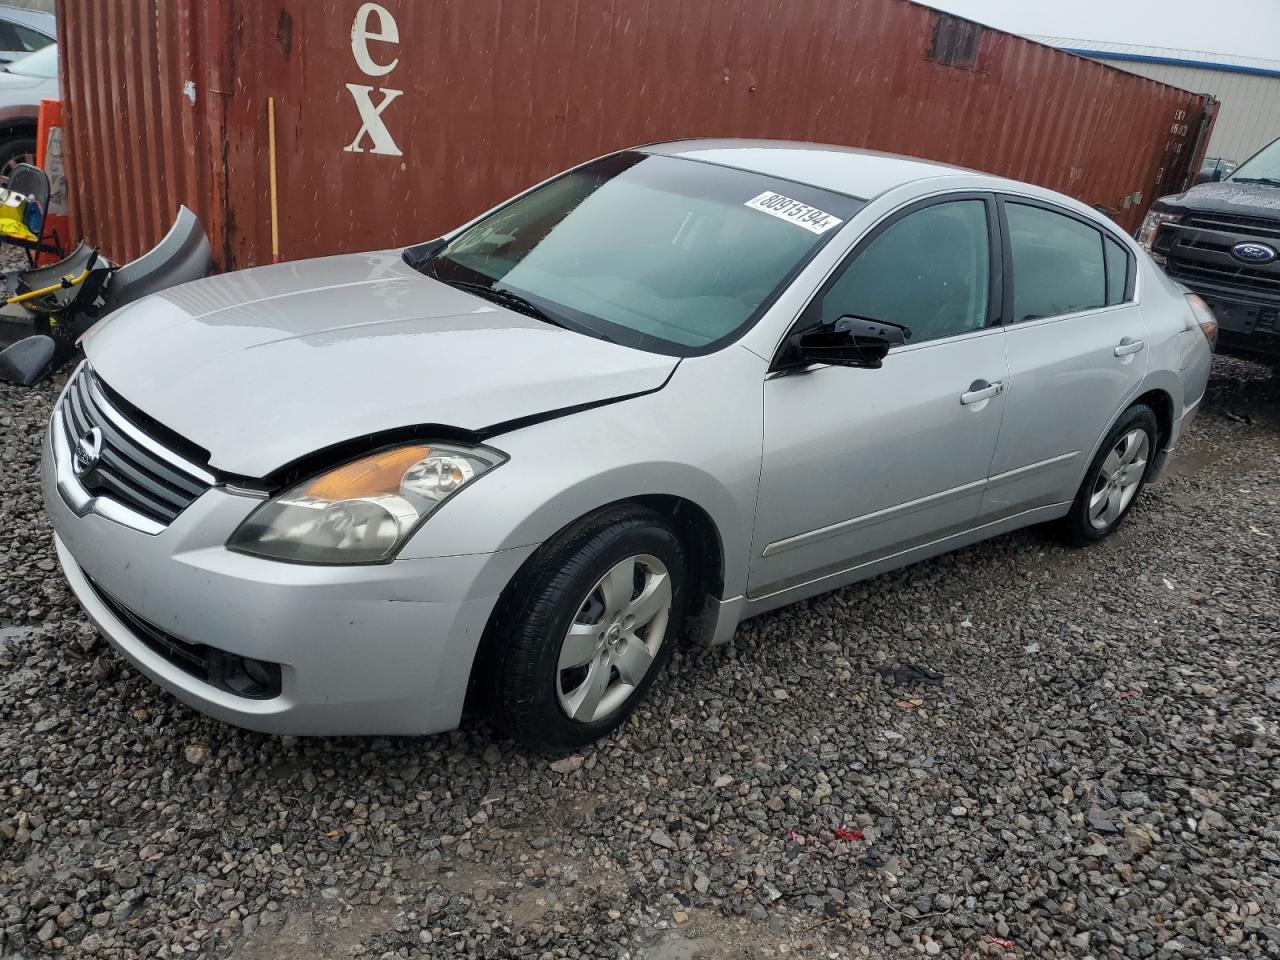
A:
[1179,354]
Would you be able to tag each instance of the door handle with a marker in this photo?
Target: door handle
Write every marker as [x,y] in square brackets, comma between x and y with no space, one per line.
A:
[1127,346]
[981,390]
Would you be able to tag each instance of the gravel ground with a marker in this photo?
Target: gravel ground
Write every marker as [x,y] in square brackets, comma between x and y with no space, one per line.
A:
[1096,773]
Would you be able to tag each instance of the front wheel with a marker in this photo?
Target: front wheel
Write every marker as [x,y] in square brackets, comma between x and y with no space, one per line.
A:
[1115,478]
[586,629]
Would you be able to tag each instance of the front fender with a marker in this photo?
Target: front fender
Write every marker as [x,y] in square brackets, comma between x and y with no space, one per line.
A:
[699,439]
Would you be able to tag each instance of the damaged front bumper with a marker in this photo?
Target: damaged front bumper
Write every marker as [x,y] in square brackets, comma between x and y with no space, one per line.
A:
[370,649]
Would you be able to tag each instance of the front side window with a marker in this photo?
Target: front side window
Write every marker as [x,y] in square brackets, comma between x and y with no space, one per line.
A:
[929,272]
[1057,263]
[661,253]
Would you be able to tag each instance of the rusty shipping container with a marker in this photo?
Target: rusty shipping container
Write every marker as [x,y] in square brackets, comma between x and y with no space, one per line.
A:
[398,119]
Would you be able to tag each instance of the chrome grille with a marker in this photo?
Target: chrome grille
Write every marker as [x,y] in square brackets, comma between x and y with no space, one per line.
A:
[134,468]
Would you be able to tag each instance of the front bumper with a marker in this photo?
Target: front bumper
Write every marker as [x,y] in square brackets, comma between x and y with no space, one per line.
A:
[363,649]
[1245,327]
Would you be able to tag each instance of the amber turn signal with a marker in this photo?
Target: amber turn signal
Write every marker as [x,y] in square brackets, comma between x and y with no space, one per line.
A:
[380,473]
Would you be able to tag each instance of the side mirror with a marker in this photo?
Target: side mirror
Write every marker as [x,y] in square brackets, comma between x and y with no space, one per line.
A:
[849,342]
[1215,174]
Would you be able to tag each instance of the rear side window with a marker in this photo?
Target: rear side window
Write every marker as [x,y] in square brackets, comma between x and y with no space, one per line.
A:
[1057,264]
[1117,271]
[929,272]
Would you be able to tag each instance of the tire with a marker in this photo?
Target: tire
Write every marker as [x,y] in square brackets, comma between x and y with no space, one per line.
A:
[579,580]
[13,150]
[1115,478]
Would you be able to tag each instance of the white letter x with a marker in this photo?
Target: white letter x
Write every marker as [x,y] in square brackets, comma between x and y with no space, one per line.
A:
[371,120]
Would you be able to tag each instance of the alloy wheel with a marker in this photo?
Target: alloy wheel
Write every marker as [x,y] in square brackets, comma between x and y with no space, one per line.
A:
[1118,478]
[613,639]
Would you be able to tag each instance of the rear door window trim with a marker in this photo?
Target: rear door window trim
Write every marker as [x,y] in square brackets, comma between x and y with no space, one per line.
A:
[1104,234]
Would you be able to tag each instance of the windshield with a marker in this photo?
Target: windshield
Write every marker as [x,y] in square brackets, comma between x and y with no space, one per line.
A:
[1263,166]
[42,64]
[670,255]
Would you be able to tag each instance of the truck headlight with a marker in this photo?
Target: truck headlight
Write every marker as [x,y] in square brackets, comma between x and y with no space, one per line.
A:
[362,511]
[1151,225]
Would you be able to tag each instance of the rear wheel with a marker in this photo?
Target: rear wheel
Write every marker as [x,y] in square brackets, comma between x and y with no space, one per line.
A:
[1115,478]
[586,628]
[13,151]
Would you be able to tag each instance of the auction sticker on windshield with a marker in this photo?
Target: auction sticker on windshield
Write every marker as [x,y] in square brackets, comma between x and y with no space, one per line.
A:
[793,211]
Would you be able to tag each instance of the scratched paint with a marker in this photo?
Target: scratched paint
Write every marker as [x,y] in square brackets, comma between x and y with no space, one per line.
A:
[398,119]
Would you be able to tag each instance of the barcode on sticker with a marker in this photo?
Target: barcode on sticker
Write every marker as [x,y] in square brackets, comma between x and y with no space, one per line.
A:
[793,211]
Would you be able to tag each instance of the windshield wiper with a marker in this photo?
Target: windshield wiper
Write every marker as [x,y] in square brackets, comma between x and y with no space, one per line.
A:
[507,298]
[1269,181]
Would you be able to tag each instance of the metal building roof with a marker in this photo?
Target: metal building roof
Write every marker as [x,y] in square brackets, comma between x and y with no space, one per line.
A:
[1141,53]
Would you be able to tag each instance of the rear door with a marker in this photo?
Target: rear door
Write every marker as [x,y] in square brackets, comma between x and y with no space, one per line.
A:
[859,464]
[1077,352]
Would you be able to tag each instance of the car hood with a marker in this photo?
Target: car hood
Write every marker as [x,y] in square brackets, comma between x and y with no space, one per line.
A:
[1257,199]
[22,88]
[264,366]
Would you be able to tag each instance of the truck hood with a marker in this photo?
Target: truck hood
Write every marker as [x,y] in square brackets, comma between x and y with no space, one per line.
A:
[1245,199]
[267,365]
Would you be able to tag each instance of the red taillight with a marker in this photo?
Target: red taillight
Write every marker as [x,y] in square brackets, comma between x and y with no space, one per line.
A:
[1207,322]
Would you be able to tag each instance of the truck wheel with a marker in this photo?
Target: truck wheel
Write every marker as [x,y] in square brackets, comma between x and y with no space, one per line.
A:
[586,629]
[1115,478]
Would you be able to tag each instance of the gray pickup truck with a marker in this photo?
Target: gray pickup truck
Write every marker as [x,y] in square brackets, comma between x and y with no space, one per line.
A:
[1222,240]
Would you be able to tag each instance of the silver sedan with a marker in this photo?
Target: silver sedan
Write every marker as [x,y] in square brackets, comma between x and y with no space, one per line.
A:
[653,396]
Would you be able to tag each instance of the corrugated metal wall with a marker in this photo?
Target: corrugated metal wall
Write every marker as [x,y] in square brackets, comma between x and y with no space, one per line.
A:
[138,137]
[1249,115]
[400,119]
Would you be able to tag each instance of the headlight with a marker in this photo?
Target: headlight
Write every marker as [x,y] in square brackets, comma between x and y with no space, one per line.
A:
[363,511]
[1151,225]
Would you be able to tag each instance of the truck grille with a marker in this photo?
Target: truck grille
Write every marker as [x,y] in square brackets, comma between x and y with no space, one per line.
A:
[1249,278]
[1248,228]
[134,468]
[1199,254]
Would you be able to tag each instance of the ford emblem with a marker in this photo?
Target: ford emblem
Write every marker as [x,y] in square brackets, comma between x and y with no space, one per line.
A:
[88,451]
[1253,253]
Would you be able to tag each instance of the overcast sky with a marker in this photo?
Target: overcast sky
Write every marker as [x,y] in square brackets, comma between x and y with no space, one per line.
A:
[1248,28]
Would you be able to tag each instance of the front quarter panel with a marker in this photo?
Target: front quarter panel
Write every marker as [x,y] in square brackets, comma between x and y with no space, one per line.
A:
[698,438]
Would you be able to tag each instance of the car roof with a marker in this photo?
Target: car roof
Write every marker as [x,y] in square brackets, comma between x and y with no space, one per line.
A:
[45,23]
[848,170]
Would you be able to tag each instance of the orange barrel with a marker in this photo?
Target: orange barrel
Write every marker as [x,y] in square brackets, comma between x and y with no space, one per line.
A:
[49,158]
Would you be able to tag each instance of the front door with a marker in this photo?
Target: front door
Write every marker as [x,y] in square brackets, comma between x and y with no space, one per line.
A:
[858,463]
[1077,354]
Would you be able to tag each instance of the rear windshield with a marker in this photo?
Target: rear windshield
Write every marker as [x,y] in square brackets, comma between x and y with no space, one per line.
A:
[670,255]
